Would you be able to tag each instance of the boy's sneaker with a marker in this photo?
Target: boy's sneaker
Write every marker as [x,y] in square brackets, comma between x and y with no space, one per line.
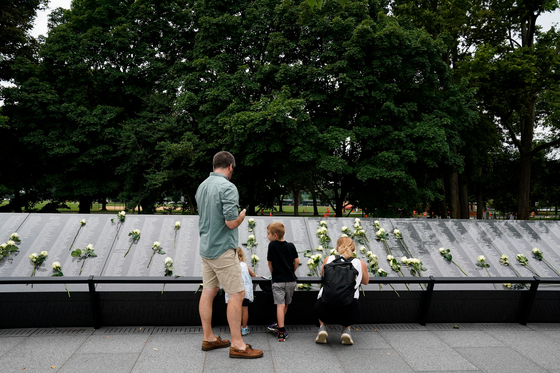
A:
[282,336]
[346,337]
[322,335]
[245,331]
[273,328]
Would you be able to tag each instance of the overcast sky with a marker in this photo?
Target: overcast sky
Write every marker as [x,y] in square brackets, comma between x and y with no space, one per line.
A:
[545,20]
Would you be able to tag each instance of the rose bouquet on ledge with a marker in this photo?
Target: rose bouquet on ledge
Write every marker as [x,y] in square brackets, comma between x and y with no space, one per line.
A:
[57,272]
[7,248]
[323,236]
[15,237]
[346,231]
[156,248]
[359,233]
[415,266]
[305,287]
[504,260]
[252,224]
[168,271]
[83,255]
[254,260]
[381,235]
[37,260]
[82,223]
[381,273]
[522,259]
[447,256]
[177,227]
[395,266]
[121,216]
[312,263]
[481,262]
[538,254]
[399,236]
[135,234]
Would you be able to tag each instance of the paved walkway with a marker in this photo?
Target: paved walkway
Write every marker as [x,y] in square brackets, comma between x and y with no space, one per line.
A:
[377,348]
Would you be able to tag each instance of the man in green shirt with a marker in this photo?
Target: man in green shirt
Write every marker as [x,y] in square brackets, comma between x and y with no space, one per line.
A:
[217,199]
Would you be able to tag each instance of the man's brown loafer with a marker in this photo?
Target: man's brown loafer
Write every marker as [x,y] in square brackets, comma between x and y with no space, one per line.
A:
[218,343]
[248,353]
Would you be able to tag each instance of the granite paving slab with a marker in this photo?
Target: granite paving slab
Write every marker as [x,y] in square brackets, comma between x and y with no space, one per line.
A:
[425,351]
[379,360]
[499,360]
[113,344]
[533,345]
[465,338]
[100,362]
[6,344]
[40,353]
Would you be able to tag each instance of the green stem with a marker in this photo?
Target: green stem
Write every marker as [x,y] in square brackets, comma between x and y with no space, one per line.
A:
[82,267]
[404,247]
[551,267]
[118,228]
[163,288]
[532,270]
[78,232]
[395,290]
[459,267]
[125,254]
[387,248]
[175,239]
[67,290]
[153,252]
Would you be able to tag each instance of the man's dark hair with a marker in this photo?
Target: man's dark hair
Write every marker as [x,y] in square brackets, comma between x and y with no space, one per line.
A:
[223,159]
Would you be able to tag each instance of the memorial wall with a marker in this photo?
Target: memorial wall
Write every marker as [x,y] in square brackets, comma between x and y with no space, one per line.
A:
[118,254]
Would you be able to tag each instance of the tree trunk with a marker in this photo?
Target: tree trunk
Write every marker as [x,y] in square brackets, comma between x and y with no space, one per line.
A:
[454,204]
[296,201]
[463,198]
[104,204]
[315,208]
[280,203]
[85,205]
[524,187]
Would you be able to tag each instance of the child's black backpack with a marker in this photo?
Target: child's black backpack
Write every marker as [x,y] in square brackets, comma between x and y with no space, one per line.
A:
[339,280]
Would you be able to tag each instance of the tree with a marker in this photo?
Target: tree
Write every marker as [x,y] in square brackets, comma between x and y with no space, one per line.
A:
[516,72]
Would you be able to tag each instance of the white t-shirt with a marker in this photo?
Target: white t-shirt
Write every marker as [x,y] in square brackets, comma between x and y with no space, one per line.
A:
[358,265]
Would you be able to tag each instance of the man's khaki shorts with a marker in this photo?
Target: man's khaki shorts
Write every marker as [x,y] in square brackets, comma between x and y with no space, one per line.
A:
[224,270]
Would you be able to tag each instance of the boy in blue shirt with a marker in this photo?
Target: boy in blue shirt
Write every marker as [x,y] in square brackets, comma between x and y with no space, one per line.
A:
[283,262]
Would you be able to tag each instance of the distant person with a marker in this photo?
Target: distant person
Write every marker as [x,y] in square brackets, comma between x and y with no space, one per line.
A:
[511,217]
[217,199]
[283,262]
[340,314]
[246,273]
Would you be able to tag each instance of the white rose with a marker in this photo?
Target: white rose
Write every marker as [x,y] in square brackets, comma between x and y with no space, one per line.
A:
[251,237]
[369,253]
[251,220]
[83,221]
[56,265]
[363,249]
[404,259]
[322,222]
[320,248]
[177,224]
[344,228]
[168,260]
[535,250]
[357,220]
[44,253]
[343,235]
[380,270]
[156,244]
[136,231]
[333,252]
[11,243]
[481,258]
[390,257]
[319,230]
[415,260]
[356,225]
[14,235]
[376,222]
[33,256]
[4,245]
[254,257]
[396,231]
[310,262]
[504,257]
[441,249]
